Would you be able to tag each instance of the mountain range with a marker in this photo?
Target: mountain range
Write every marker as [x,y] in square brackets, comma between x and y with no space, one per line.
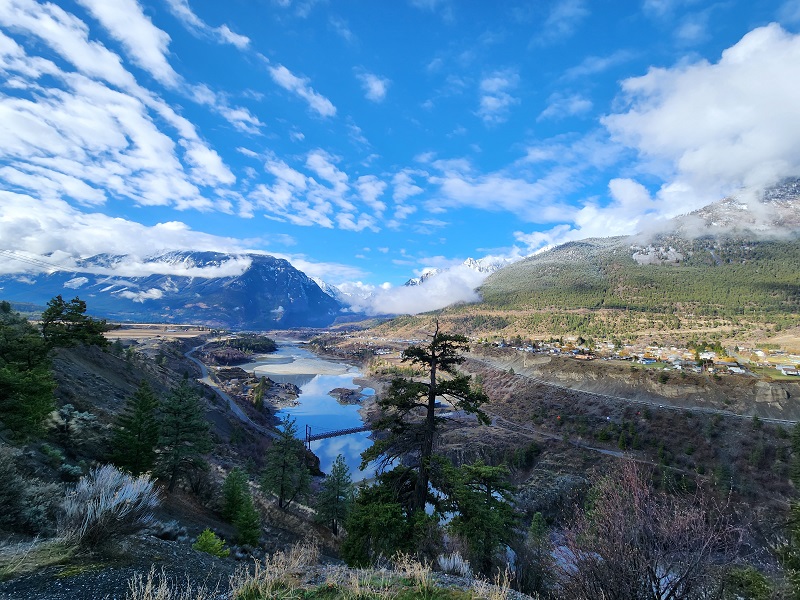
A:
[486,265]
[729,258]
[251,291]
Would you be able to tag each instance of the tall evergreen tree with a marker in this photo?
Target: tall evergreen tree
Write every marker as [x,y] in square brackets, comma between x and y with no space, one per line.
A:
[409,407]
[247,522]
[335,499]
[286,474]
[234,490]
[66,324]
[480,495]
[184,437]
[26,381]
[136,432]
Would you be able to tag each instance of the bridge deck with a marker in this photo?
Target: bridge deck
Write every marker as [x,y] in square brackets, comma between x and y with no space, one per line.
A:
[332,434]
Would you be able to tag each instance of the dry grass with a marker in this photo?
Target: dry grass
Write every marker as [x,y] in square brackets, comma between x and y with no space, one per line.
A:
[286,576]
[157,586]
[29,557]
[500,589]
[276,573]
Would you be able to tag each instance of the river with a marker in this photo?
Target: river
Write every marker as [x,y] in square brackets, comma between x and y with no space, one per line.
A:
[316,377]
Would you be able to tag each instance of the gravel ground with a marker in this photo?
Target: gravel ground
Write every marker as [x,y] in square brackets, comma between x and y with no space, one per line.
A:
[106,577]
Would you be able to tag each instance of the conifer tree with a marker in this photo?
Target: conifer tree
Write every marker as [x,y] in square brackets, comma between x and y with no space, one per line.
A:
[247,522]
[234,490]
[286,474]
[335,499]
[409,407]
[480,495]
[66,324]
[26,382]
[136,432]
[184,437]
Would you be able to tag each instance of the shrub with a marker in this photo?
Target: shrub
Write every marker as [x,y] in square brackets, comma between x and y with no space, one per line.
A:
[107,503]
[210,543]
[25,504]
[454,564]
[746,582]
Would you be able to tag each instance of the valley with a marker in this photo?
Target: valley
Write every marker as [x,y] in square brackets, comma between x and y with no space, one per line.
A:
[672,354]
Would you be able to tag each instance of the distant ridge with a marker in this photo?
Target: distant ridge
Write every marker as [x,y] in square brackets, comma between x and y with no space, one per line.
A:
[242,291]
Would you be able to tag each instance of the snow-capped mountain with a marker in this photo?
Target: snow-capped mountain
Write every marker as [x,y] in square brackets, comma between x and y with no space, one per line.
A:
[486,265]
[248,291]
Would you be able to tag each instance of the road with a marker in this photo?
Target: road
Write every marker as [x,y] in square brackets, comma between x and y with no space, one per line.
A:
[234,408]
[650,403]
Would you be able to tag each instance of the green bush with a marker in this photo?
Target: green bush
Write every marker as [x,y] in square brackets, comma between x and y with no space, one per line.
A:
[747,583]
[210,543]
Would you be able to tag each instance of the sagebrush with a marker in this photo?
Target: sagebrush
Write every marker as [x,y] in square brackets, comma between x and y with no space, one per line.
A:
[107,503]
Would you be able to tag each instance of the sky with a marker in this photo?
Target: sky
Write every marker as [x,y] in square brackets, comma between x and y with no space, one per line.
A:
[368,141]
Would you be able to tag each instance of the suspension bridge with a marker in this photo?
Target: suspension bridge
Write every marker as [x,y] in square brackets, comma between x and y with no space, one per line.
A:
[324,435]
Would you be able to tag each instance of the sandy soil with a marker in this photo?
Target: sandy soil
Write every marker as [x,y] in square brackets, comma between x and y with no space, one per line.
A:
[146,331]
[301,366]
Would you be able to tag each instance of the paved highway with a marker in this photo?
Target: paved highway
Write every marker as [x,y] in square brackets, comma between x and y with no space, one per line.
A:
[234,408]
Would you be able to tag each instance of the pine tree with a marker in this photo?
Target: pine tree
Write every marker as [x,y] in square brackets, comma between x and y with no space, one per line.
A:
[234,490]
[66,324]
[136,432]
[184,437]
[247,522]
[409,436]
[286,474]
[335,499]
[480,495]
[26,382]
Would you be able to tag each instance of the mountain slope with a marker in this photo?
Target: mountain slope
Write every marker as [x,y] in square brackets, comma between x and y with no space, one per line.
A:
[240,292]
[732,265]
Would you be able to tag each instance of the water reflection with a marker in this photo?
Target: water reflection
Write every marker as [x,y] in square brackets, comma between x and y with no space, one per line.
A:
[316,377]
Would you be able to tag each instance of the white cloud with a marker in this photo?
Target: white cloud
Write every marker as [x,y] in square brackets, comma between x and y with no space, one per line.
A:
[76,282]
[53,228]
[146,44]
[457,284]
[459,185]
[341,27]
[693,28]
[151,294]
[68,36]
[707,129]
[560,106]
[789,11]
[592,65]
[375,87]
[56,233]
[88,136]
[300,86]
[495,99]
[562,21]
[324,198]
[444,7]
[371,188]
[404,185]
[222,34]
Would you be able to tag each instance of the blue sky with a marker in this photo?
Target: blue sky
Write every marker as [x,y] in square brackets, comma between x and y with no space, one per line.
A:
[368,141]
